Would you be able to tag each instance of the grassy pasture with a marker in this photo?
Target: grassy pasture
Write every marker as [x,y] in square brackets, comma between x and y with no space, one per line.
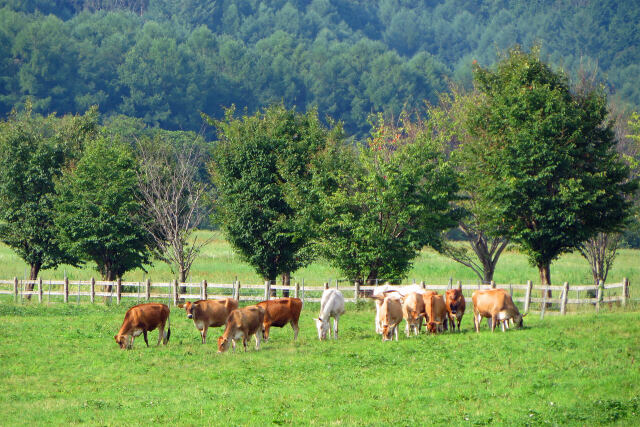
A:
[60,366]
[218,263]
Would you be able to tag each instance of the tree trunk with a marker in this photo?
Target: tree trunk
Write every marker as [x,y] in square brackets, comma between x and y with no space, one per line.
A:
[182,279]
[286,281]
[545,280]
[33,275]
[489,270]
[109,276]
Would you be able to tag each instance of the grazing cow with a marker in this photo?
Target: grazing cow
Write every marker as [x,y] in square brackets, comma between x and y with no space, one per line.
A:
[455,306]
[497,306]
[141,319]
[331,305]
[413,311]
[209,313]
[242,323]
[279,312]
[435,312]
[390,310]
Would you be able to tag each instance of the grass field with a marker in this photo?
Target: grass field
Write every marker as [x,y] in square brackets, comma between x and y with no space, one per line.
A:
[219,264]
[60,366]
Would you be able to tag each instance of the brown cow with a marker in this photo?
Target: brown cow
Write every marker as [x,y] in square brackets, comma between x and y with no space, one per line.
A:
[494,304]
[209,313]
[141,319]
[455,306]
[425,295]
[435,312]
[242,323]
[279,312]
[390,315]
[413,311]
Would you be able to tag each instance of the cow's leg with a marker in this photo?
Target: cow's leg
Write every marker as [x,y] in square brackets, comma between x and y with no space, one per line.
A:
[294,326]
[265,332]
[131,342]
[160,333]
[503,326]
[257,335]
[233,345]
[244,342]
[395,330]
[335,327]
[494,319]
[145,337]
[476,321]
[203,332]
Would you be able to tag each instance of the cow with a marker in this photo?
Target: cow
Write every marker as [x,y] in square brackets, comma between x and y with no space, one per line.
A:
[141,319]
[396,292]
[413,312]
[455,306]
[209,313]
[279,312]
[242,323]
[497,306]
[331,305]
[435,312]
[390,315]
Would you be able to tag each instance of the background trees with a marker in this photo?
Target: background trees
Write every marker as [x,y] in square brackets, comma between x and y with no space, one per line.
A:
[545,159]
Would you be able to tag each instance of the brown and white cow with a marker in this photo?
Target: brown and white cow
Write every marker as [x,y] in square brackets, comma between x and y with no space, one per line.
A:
[455,306]
[242,323]
[279,312]
[413,311]
[209,313]
[494,304]
[141,319]
[435,312]
[389,315]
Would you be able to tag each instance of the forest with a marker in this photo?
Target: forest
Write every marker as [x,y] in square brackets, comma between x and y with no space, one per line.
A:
[167,61]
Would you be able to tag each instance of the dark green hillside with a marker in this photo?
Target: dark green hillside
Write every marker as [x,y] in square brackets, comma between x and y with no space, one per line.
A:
[166,60]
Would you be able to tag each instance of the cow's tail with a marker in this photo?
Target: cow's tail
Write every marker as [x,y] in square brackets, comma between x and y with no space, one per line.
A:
[168,329]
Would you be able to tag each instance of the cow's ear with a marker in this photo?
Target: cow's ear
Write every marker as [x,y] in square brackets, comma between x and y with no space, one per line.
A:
[180,305]
[524,315]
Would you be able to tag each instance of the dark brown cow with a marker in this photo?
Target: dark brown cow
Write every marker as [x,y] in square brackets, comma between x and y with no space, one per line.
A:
[455,306]
[242,323]
[279,312]
[497,305]
[141,319]
[209,313]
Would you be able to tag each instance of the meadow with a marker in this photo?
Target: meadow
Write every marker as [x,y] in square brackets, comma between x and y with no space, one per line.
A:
[61,366]
[218,263]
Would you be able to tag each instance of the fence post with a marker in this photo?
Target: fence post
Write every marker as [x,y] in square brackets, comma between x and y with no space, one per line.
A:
[450,284]
[174,291]
[93,290]
[563,303]
[40,290]
[599,295]
[66,289]
[118,290]
[235,290]
[625,290]
[356,293]
[205,290]
[147,290]
[15,289]
[493,284]
[527,297]
[424,286]
[326,285]
[267,290]
[296,292]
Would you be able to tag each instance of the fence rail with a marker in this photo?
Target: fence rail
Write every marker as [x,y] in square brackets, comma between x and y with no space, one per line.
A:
[173,292]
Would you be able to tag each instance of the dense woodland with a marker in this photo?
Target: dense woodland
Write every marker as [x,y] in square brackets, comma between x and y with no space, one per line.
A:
[165,61]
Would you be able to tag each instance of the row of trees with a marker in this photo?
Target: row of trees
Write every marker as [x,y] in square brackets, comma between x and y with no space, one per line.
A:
[524,159]
[165,60]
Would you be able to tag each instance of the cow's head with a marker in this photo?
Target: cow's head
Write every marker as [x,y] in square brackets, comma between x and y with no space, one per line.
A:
[387,332]
[433,327]
[188,307]
[517,320]
[323,327]
[223,344]
[122,341]
[453,298]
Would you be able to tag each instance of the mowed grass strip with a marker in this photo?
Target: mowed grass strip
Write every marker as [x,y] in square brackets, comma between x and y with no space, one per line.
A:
[61,365]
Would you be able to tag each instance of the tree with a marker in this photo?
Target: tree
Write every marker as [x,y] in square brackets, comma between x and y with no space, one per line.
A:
[172,198]
[261,174]
[383,202]
[545,159]
[34,152]
[98,210]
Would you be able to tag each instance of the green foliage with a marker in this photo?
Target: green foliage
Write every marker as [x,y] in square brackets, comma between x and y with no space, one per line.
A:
[261,173]
[34,152]
[544,158]
[385,201]
[98,211]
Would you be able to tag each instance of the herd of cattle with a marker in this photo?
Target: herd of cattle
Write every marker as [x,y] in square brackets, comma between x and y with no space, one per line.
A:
[411,303]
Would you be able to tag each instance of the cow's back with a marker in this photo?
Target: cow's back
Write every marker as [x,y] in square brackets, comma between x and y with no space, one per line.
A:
[489,302]
[145,316]
[282,311]
[213,312]
[413,305]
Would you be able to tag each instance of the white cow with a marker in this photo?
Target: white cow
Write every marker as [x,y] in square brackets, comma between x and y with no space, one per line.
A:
[331,305]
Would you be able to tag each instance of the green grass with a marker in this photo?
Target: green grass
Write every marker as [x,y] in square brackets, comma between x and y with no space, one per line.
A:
[219,264]
[60,366]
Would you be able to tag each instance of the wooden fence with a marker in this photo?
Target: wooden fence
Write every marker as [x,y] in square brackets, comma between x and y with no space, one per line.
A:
[173,292]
